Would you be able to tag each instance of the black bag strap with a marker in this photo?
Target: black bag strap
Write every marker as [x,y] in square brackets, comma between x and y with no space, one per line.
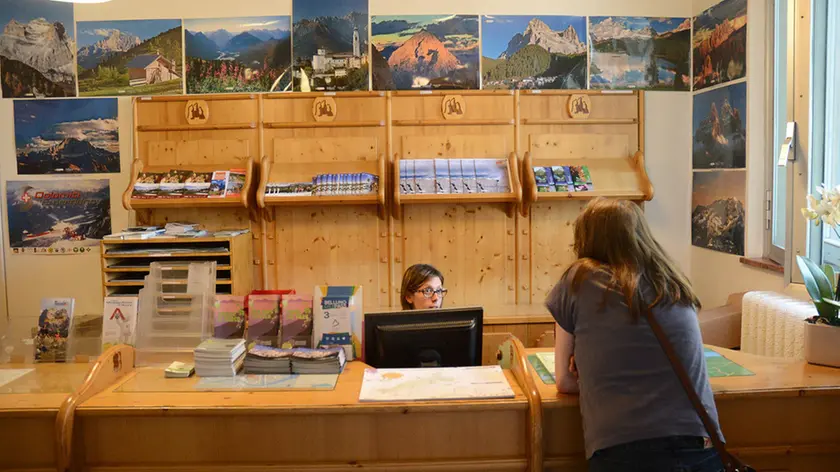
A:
[731,463]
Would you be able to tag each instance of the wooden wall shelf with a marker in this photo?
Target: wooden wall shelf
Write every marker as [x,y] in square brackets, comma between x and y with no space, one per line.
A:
[275,171]
[611,177]
[512,199]
[218,127]
[138,166]
[325,124]
[453,122]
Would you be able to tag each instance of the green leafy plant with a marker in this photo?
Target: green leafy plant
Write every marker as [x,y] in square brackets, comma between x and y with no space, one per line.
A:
[821,283]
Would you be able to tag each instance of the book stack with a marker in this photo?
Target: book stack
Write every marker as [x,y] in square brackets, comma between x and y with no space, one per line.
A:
[448,176]
[563,179]
[318,361]
[268,360]
[219,357]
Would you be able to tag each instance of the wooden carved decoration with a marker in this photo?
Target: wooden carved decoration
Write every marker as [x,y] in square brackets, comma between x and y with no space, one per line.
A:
[197,112]
[453,107]
[580,106]
[324,109]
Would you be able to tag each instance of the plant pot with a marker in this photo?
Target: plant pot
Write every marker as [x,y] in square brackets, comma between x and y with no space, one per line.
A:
[822,344]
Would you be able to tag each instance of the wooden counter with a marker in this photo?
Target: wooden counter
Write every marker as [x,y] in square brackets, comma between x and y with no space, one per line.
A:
[785,418]
[149,422]
[29,406]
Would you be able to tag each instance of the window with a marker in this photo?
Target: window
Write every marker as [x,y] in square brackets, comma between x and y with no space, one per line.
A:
[825,119]
[782,91]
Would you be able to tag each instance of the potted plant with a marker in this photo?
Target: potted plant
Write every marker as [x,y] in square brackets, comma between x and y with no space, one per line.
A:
[822,332]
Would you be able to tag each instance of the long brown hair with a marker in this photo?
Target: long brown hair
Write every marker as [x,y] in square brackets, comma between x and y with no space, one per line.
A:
[413,278]
[613,235]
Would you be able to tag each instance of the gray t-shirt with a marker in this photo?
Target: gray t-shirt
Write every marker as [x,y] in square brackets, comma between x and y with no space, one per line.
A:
[628,389]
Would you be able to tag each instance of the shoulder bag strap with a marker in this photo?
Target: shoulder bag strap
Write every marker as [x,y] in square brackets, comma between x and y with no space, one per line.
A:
[731,463]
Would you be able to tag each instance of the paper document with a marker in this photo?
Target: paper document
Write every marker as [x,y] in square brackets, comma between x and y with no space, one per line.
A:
[441,383]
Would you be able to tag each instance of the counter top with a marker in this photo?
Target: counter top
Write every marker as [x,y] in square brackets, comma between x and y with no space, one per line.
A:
[147,392]
[773,377]
[42,390]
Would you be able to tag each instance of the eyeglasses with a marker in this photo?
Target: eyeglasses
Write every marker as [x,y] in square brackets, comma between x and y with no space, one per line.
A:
[429,291]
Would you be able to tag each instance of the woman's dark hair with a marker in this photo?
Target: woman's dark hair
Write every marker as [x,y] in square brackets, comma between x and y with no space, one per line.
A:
[413,278]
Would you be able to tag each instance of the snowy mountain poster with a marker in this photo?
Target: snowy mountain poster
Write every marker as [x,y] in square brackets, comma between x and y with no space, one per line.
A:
[720,128]
[330,45]
[717,216]
[57,216]
[36,49]
[416,52]
[130,57]
[533,52]
[77,136]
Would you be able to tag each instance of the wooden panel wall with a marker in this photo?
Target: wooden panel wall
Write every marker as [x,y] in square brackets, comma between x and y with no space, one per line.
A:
[614,129]
[488,257]
[338,245]
[232,133]
[474,245]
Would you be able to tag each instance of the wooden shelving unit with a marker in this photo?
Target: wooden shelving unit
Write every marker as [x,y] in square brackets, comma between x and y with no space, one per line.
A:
[611,177]
[512,198]
[124,274]
[289,167]
[138,167]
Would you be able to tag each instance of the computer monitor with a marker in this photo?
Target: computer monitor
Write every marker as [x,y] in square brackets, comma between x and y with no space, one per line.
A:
[448,337]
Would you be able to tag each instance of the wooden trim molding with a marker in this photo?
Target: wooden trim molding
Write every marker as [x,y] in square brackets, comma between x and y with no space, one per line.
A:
[763,263]
[112,365]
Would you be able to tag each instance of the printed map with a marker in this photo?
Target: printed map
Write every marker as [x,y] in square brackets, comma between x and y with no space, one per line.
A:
[269,382]
[442,383]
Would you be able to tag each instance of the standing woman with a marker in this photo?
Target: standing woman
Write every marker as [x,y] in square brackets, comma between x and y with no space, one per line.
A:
[422,288]
[636,415]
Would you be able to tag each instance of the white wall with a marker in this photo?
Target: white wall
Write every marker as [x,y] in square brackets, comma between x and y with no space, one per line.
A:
[668,143]
[715,275]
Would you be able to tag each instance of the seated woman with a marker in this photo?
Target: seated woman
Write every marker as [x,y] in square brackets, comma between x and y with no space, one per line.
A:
[422,288]
[636,415]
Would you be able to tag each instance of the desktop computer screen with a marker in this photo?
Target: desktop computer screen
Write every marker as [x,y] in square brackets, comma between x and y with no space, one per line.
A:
[449,337]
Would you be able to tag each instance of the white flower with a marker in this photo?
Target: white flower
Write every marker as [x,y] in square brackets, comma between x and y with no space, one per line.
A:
[824,207]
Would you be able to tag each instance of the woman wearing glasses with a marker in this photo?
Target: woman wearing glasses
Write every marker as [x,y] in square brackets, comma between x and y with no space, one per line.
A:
[422,288]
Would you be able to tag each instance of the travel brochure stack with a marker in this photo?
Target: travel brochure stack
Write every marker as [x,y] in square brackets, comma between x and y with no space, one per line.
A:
[268,360]
[563,179]
[272,361]
[327,185]
[219,357]
[318,361]
[172,230]
[454,176]
[179,183]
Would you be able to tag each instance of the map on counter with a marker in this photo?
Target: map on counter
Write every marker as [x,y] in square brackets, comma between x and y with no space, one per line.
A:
[438,383]
[269,382]
[541,362]
[716,365]
[719,366]
[10,375]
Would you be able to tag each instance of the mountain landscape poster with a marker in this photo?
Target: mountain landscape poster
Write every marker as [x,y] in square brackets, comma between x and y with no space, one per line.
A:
[78,136]
[720,128]
[330,45]
[639,53]
[720,44]
[58,216]
[717,218]
[36,49]
[533,52]
[251,54]
[425,52]
[130,57]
